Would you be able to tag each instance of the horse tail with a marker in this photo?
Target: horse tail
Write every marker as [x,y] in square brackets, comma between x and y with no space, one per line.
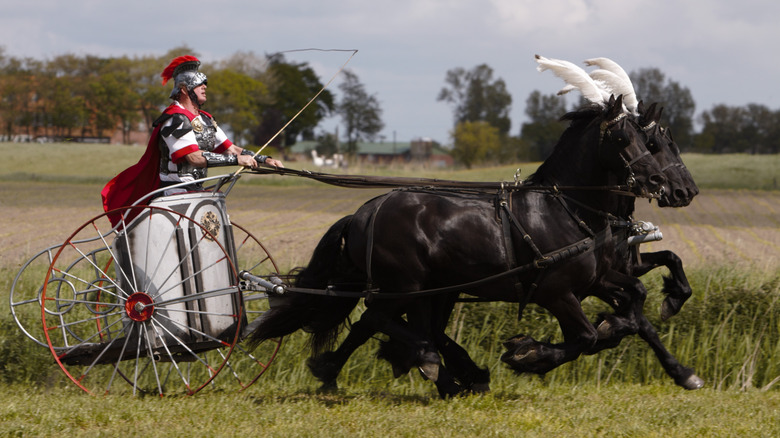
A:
[317,314]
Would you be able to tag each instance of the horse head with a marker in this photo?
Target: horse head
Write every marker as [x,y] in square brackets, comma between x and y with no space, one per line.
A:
[624,153]
[621,151]
[680,186]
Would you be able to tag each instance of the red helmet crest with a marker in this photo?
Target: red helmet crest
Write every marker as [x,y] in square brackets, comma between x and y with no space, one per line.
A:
[181,63]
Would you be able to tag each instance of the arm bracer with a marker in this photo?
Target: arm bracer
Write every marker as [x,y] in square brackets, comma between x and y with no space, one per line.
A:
[217,160]
[259,158]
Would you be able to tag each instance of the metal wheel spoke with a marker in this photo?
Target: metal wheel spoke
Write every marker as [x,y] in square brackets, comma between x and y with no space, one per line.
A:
[151,359]
[98,333]
[93,312]
[198,332]
[106,276]
[121,355]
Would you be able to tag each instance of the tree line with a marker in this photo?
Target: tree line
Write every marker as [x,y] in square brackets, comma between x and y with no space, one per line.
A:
[255,96]
[481,107]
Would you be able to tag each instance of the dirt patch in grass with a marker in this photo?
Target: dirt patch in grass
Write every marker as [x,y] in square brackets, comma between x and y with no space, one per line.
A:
[736,227]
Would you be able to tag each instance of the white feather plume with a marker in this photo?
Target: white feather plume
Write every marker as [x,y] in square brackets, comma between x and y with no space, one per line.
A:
[566,89]
[574,76]
[618,81]
[614,85]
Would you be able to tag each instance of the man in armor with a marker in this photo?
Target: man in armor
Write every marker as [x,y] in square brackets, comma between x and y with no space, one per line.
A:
[185,142]
[189,138]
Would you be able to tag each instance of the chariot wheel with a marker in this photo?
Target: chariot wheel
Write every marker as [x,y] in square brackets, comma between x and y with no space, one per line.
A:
[26,289]
[246,364]
[154,302]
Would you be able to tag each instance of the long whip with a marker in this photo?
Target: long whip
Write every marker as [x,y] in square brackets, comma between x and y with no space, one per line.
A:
[354,51]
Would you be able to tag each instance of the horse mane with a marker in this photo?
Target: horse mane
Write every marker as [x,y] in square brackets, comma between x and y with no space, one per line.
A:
[580,120]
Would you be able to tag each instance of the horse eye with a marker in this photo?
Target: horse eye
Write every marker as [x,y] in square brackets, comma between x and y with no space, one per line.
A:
[652,146]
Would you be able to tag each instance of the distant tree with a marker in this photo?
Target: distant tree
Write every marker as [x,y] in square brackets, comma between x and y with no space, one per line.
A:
[18,94]
[238,101]
[544,127]
[67,107]
[476,96]
[65,91]
[762,129]
[474,141]
[327,144]
[292,87]
[360,112]
[651,85]
[247,63]
[750,129]
[147,84]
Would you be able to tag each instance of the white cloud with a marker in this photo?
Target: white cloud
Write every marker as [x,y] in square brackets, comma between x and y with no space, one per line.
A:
[723,50]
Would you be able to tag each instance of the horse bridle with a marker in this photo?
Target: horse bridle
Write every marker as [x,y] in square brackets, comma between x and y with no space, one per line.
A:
[653,126]
[628,162]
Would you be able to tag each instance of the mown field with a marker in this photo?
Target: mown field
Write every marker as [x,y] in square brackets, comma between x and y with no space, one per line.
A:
[729,332]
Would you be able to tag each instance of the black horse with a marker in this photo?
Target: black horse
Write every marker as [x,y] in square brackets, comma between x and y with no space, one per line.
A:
[621,287]
[549,243]
[680,192]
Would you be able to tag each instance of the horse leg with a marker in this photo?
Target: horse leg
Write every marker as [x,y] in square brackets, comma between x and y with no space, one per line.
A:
[637,293]
[460,372]
[524,354]
[327,366]
[470,376]
[613,327]
[457,360]
[460,365]
[683,376]
[429,317]
[676,286]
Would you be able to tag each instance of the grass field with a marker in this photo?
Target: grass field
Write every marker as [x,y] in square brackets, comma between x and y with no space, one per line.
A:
[729,239]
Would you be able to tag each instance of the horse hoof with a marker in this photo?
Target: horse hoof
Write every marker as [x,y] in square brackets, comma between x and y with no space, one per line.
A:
[430,371]
[666,310]
[399,370]
[604,330]
[480,388]
[520,356]
[328,387]
[514,341]
[692,382]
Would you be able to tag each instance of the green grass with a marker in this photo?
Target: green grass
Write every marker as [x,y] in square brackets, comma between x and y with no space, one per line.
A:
[278,411]
[97,163]
[729,332]
[735,171]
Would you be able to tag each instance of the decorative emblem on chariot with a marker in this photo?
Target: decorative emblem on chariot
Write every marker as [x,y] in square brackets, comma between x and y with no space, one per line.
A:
[210,222]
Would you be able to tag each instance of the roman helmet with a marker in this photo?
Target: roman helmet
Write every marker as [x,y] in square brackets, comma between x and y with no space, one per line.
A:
[184,71]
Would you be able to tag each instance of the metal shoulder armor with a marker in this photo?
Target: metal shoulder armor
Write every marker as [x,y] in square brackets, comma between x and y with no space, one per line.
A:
[180,125]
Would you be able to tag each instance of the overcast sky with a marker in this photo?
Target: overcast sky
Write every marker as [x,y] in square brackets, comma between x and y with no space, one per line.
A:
[724,51]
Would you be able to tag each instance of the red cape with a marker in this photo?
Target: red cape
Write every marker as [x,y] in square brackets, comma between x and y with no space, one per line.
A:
[139,179]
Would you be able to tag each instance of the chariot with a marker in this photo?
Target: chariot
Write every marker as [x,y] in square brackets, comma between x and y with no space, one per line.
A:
[159,302]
